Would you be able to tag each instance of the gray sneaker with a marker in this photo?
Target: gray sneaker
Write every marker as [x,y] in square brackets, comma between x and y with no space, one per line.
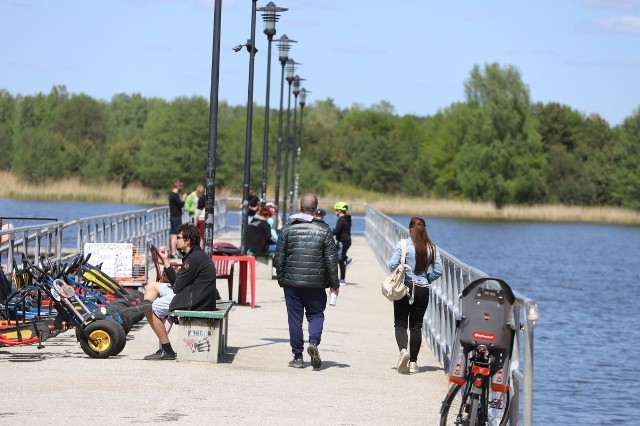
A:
[161,355]
[313,352]
[296,363]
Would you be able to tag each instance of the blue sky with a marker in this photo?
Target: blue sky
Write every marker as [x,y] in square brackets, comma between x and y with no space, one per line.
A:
[415,54]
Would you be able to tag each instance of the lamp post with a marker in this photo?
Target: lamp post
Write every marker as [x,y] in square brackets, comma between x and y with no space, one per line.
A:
[284,45]
[247,144]
[210,197]
[303,101]
[290,69]
[296,92]
[269,16]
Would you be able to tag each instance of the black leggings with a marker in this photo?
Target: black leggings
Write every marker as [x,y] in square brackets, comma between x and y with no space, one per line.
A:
[342,257]
[410,316]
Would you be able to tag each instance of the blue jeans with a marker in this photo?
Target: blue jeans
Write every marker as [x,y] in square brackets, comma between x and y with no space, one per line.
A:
[300,301]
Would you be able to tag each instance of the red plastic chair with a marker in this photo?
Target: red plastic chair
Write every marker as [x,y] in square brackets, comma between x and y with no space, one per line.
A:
[224,269]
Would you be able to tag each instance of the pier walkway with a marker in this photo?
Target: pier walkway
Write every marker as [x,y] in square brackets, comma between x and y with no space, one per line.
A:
[357,384]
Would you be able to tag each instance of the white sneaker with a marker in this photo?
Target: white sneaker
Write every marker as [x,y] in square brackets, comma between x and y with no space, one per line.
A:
[403,362]
[342,282]
[413,368]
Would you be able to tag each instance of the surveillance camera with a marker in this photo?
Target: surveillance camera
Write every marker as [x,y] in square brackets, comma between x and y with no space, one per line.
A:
[237,48]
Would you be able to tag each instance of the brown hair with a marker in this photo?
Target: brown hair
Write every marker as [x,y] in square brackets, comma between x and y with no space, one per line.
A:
[425,248]
[190,233]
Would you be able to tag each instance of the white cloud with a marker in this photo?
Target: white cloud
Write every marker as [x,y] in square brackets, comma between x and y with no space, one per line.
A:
[620,24]
[612,4]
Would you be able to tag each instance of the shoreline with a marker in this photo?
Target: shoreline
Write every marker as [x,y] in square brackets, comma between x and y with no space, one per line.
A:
[74,190]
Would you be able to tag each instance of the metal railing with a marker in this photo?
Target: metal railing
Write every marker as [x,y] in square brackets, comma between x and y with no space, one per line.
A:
[65,240]
[445,305]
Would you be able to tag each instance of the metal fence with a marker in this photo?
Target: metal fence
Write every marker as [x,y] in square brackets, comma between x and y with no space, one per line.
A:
[444,309]
[62,241]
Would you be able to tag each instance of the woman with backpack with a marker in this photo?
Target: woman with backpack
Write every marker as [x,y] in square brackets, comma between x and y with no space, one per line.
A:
[423,266]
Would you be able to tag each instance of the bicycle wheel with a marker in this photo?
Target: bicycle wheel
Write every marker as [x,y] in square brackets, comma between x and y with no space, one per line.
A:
[498,408]
[474,412]
[455,409]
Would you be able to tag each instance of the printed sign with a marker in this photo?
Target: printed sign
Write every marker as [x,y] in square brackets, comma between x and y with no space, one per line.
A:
[116,258]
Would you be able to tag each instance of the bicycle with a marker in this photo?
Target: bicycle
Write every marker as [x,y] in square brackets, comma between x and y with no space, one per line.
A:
[479,370]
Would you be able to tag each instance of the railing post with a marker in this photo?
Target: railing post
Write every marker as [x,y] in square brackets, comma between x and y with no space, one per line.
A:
[531,313]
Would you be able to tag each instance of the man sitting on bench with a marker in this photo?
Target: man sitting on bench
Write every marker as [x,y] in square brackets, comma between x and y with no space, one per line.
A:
[192,288]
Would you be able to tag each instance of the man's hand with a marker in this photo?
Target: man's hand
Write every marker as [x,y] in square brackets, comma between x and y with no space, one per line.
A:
[335,290]
[163,253]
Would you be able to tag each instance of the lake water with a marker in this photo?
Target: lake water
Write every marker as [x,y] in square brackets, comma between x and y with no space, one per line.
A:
[584,278]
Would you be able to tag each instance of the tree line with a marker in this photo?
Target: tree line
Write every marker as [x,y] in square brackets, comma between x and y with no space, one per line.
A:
[495,146]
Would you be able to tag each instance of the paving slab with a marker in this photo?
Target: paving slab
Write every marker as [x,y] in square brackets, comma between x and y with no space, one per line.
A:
[357,384]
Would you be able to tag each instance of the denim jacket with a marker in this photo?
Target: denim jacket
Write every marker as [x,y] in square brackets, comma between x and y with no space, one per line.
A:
[432,273]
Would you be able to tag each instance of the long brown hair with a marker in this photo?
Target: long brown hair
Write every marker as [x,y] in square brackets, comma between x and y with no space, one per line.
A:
[425,249]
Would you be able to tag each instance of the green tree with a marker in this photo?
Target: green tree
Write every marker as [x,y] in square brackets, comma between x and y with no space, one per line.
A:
[230,146]
[41,154]
[127,115]
[501,156]
[176,144]
[122,164]
[82,122]
[559,127]
[8,107]
[625,177]
[594,151]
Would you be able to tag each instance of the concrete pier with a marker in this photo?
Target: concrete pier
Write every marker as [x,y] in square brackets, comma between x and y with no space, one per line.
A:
[357,384]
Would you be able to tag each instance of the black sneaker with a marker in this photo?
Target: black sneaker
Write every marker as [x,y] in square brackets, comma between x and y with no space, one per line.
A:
[313,352]
[161,355]
[296,363]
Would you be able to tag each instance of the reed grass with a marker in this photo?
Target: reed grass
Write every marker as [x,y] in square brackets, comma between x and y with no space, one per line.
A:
[76,190]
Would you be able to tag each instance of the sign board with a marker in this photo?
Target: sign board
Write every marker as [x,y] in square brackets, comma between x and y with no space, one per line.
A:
[116,258]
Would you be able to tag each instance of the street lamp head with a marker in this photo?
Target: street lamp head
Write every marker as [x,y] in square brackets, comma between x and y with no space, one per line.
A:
[270,15]
[303,96]
[296,85]
[290,69]
[284,45]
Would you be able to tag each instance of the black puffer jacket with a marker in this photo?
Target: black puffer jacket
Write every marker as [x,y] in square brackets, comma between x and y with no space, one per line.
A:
[306,254]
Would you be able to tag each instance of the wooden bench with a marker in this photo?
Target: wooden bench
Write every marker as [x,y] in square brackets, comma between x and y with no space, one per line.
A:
[202,335]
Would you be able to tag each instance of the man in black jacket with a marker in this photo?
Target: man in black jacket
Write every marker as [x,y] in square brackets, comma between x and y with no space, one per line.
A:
[306,263]
[191,288]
